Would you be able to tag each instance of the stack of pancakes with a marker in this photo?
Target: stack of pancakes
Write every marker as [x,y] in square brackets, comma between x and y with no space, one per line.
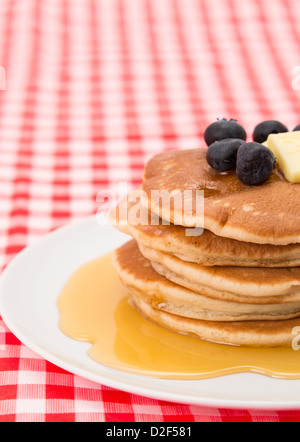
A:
[238,282]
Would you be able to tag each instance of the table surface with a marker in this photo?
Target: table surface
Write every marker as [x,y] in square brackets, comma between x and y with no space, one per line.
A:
[90,89]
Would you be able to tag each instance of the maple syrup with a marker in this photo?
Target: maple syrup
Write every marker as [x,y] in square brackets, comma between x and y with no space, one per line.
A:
[94,308]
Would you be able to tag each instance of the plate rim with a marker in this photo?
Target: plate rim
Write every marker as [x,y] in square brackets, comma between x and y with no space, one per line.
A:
[114,382]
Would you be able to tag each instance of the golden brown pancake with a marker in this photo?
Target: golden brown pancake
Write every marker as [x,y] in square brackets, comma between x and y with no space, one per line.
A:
[164,297]
[241,281]
[265,214]
[207,249]
[247,334]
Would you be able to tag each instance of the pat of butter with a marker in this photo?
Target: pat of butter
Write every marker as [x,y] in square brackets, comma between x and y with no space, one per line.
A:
[286,148]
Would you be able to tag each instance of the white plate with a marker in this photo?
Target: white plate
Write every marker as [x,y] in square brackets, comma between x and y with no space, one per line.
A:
[29,289]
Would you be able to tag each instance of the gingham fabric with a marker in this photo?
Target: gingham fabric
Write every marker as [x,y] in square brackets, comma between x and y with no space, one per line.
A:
[93,89]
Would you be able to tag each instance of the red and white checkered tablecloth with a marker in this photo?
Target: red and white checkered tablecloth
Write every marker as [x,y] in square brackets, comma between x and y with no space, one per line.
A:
[93,89]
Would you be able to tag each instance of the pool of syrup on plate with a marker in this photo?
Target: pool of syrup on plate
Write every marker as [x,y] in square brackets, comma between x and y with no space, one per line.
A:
[94,308]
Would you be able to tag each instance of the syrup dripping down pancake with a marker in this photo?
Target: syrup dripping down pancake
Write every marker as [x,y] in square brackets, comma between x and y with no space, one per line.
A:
[152,294]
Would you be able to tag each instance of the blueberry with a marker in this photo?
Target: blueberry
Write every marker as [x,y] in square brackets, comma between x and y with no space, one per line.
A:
[297,128]
[264,129]
[221,155]
[223,129]
[255,163]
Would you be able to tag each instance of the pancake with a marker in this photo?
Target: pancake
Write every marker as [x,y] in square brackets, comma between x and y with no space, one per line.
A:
[221,294]
[246,334]
[265,214]
[244,282]
[161,294]
[207,249]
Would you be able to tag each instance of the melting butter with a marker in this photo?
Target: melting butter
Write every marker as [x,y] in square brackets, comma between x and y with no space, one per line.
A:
[286,148]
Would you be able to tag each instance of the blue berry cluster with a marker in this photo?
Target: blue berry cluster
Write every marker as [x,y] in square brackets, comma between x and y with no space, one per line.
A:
[228,149]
